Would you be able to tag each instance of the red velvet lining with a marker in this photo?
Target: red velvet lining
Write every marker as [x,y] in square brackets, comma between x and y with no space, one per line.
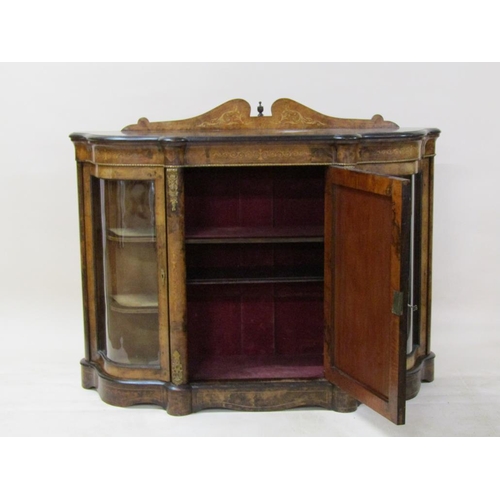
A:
[255,330]
[258,367]
[254,197]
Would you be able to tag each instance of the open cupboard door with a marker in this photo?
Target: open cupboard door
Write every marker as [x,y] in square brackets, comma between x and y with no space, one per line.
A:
[367,224]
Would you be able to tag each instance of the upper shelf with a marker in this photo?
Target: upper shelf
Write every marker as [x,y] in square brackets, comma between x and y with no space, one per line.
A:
[258,234]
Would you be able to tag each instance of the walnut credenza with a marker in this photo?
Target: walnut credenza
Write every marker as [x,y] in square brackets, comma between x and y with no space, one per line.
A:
[257,262]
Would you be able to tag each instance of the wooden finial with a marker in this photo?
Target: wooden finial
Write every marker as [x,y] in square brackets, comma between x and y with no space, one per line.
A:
[260,109]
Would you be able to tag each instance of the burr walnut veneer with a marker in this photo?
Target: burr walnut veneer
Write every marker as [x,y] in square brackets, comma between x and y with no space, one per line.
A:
[257,262]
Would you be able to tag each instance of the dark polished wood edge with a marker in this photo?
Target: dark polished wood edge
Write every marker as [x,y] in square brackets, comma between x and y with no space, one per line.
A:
[422,371]
[178,138]
[269,395]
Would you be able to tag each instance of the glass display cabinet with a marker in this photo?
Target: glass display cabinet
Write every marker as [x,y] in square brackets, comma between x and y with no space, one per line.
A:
[257,262]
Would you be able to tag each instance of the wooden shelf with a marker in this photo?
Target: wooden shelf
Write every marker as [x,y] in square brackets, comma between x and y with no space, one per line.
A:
[245,367]
[213,235]
[127,235]
[135,303]
[260,234]
[222,275]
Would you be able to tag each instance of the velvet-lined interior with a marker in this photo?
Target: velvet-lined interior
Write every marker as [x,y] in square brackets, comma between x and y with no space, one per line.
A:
[254,197]
[255,307]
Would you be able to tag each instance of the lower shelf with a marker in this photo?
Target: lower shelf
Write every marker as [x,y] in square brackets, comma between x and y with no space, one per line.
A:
[265,367]
[244,275]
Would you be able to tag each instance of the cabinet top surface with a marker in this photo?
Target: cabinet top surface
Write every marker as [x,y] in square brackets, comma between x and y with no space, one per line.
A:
[231,122]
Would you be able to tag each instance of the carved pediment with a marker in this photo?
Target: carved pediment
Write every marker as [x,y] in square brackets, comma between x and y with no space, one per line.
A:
[286,114]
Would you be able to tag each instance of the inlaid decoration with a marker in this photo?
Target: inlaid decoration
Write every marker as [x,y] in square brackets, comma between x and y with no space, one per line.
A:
[286,114]
[248,154]
[228,119]
[176,368]
[293,117]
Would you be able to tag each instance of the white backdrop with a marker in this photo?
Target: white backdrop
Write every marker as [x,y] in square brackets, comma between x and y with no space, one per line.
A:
[40,297]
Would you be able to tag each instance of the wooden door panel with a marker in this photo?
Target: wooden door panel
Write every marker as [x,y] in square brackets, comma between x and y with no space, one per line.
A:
[365,258]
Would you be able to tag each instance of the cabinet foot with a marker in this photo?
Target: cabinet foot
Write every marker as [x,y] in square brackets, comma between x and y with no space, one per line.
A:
[179,400]
[423,371]
[119,392]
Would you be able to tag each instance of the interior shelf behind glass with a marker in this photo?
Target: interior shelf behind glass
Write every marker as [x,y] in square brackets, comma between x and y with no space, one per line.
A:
[135,303]
[132,235]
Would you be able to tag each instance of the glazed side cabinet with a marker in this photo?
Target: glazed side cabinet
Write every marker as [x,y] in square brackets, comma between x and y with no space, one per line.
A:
[257,262]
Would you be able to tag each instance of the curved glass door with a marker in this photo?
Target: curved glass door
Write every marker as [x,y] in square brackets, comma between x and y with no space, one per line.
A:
[130,271]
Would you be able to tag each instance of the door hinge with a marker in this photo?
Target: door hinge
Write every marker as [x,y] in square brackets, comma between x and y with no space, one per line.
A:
[397,303]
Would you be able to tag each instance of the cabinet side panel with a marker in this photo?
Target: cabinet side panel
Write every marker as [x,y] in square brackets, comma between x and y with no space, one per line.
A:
[83,256]
[425,256]
[430,208]
[91,259]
